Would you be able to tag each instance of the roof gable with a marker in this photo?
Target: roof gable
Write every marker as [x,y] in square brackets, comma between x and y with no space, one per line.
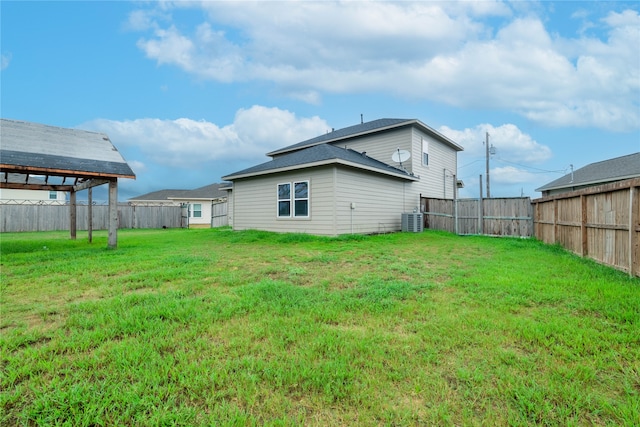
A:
[615,169]
[320,154]
[33,147]
[362,129]
[208,192]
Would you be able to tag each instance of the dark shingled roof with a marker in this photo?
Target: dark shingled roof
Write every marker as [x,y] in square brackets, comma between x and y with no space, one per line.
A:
[363,128]
[211,191]
[317,154]
[616,169]
[37,147]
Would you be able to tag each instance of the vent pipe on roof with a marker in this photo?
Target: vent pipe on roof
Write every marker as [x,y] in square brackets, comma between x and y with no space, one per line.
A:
[361,118]
[571,166]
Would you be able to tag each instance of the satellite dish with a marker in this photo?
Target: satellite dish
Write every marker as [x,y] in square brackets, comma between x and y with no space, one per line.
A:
[400,156]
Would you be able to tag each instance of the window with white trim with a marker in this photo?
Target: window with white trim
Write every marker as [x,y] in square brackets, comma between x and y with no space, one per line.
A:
[53,195]
[293,203]
[425,152]
[195,210]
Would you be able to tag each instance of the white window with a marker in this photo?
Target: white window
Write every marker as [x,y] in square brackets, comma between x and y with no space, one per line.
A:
[293,203]
[53,195]
[425,152]
[284,200]
[195,210]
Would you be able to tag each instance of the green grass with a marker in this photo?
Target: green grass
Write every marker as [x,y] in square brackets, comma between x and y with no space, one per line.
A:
[214,327]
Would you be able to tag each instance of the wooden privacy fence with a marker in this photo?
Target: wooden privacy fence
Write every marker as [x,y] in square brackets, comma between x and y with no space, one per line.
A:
[219,216]
[510,216]
[602,223]
[17,218]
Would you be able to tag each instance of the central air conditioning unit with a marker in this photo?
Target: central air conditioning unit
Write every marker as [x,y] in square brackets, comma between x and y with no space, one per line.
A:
[412,222]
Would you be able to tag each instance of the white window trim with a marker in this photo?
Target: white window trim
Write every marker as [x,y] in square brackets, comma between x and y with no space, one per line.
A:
[292,200]
[278,200]
[192,210]
[425,150]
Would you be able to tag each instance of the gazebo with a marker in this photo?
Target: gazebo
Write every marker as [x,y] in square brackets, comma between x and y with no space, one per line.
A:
[67,160]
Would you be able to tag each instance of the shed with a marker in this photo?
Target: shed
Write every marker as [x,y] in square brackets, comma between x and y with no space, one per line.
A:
[62,159]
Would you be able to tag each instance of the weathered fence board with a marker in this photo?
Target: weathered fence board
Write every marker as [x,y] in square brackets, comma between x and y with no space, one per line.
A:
[602,223]
[18,218]
[511,216]
[219,215]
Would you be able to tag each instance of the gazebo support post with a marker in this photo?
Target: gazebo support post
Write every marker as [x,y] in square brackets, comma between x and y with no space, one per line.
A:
[72,214]
[113,214]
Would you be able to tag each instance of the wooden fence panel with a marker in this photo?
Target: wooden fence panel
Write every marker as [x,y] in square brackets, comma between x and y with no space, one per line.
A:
[511,216]
[602,223]
[438,214]
[19,218]
[219,217]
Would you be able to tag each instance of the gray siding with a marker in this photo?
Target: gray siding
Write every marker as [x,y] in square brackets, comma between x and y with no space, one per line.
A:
[432,177]
[382,146]
[255,203]
[378,200]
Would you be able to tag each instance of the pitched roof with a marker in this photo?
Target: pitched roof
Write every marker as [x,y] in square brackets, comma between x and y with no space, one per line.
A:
[363,129]
[615,169]
[319,155]
[208,192]
[35,148]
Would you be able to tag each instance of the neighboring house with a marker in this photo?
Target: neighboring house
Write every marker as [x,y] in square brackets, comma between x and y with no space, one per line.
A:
[346,181]
[30,197]
[604,172]
[198,202]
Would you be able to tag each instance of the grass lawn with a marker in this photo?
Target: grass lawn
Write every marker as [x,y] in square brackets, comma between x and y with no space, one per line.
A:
[214,327]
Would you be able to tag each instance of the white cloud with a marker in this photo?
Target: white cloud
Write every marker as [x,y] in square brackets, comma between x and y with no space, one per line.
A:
[511,175]
[5,59]
[446,52]
[509,142]
[190,144]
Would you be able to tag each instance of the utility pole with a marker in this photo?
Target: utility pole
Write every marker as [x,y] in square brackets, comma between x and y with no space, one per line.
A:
[487,160]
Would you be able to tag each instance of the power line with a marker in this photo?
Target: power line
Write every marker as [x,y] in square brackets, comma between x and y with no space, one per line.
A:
[531,167]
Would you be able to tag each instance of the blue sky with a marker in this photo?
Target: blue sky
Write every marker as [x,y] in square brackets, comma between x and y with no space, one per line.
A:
[192,91]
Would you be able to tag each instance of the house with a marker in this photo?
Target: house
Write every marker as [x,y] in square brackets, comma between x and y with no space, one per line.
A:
[30,197]
[604,172]
[359,179]
[199,203]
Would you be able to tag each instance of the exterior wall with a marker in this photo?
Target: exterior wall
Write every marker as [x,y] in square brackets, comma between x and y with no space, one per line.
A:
[198,222]
[10,195]
[436,179]
[230,205]
[378,202]
[254,203]
[381,146]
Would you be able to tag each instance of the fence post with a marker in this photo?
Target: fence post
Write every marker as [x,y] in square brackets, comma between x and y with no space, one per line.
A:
[583,225]
[480,210]
[555,220]
[634,222]
[455,204]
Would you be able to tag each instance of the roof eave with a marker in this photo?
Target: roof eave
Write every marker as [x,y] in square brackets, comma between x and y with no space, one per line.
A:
[593,182]
[429,130]
[61,172]
[321,163]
